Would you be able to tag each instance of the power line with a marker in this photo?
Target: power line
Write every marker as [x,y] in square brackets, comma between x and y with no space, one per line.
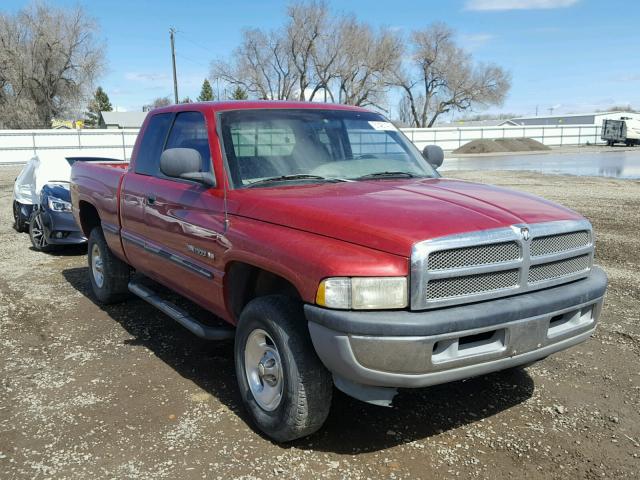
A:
[189,59]
[193,42]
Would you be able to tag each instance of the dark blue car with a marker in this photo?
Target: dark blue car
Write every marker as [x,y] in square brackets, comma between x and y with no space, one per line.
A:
[47,215]
[51,223]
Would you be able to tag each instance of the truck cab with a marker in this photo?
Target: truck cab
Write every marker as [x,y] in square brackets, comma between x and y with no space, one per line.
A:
[335,253]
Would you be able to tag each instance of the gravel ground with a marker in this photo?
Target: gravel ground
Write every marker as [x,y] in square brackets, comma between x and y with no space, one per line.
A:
[122,392]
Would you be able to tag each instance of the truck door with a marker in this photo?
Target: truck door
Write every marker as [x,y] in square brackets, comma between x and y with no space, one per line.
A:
[134,188]
[185,221]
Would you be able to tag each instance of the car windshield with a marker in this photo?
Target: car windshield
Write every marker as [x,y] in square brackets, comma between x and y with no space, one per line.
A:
[266,147]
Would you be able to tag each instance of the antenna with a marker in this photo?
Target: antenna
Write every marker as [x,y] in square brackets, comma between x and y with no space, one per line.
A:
[224,201]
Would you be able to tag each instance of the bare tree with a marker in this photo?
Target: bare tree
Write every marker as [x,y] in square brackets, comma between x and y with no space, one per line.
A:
[159,103]
[325,57]
[319,51]
[50,58]
[316,51]
[262,66]
[615,108]
[367,60]
[441,77]
[305,31]
[404,113]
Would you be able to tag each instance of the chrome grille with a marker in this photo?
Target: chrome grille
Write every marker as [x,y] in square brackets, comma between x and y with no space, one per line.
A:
[481,255]
[472,284]
[559,269]
[559,243]
[495,263]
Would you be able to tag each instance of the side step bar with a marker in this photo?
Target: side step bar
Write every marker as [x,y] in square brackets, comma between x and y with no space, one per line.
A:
[183,318]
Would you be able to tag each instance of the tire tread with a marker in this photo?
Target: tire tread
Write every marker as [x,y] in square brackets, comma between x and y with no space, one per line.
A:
[116,272]
[307,409]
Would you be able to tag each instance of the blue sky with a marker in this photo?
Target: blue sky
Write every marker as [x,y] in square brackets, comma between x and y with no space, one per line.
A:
[574,55]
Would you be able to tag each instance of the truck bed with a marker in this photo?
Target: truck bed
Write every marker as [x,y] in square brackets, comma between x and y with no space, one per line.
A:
[98,185]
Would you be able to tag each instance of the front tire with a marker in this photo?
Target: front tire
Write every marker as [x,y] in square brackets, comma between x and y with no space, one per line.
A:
[283,384]
[109,275]
[37,232]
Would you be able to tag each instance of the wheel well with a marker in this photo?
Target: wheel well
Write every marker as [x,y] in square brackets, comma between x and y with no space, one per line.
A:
[89,218]
[244,282]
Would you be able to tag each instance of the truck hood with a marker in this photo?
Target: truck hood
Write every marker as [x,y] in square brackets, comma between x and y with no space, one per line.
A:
[393,215]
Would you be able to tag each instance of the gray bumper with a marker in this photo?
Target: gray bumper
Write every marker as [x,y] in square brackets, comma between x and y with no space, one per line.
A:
[417,349]
[62,223]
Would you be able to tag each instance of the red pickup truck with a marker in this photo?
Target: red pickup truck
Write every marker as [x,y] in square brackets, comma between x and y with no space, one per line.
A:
[335,253]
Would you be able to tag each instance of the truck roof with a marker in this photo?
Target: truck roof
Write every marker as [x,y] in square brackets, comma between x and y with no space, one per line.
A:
[217,106]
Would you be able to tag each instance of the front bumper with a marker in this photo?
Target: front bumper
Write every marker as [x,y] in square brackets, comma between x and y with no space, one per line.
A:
[417,349]
[61,229]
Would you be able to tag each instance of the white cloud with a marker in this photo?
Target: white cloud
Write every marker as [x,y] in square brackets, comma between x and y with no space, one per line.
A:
[473,41]
[146,76]
[517,4]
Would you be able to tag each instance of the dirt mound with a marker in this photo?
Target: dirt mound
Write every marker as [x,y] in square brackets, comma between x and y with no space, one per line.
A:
[534,144]
[501,145]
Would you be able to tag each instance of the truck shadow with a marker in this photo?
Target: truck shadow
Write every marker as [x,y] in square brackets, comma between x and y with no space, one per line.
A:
[65,250]
[352,427]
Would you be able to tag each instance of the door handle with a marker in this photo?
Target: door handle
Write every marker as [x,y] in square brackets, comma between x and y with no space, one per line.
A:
[151,199]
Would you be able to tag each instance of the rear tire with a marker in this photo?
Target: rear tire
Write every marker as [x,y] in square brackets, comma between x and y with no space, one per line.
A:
[108,274]
[283,384]
[20,223]
[37,233]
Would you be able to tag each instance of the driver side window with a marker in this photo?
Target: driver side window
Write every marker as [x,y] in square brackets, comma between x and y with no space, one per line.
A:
[189,130]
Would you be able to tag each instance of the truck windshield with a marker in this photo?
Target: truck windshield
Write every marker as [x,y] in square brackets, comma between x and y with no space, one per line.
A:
[266,147]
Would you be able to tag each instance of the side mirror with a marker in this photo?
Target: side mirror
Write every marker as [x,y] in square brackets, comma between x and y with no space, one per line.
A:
[185,163]
[434,155]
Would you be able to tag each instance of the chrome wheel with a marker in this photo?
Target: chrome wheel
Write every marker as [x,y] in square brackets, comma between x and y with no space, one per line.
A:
[37,232]
[97,267]
[263,369]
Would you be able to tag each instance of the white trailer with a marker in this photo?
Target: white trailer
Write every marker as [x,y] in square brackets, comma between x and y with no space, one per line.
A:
[626,130]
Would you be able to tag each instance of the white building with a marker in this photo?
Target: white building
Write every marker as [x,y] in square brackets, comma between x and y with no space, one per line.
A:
[595,118]
[122,119]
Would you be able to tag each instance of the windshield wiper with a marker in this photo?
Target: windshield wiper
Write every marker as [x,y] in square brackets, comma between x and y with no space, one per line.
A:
[386,175]
[299,176]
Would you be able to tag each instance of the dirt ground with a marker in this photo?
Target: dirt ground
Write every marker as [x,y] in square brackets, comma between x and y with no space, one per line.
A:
[501,145]
[123,392]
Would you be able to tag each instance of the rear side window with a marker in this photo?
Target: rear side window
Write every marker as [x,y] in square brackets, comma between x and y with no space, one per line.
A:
[367,141]
[148,159]
[190,131]
[262,139]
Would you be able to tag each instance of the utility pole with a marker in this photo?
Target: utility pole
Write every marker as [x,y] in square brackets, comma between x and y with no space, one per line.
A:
[172,32]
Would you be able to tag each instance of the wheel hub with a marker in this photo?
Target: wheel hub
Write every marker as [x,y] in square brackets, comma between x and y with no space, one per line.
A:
[97,267]
[263,369]
[37,232]
[268,369]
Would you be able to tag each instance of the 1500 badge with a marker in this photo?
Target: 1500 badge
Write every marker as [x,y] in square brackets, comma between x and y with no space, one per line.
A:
[200,251]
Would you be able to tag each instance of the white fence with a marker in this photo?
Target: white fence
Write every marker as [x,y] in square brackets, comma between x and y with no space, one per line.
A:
[17,146]
[450,138]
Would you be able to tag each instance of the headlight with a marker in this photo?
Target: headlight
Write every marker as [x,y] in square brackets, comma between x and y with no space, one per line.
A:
[58,205]
[363,293]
